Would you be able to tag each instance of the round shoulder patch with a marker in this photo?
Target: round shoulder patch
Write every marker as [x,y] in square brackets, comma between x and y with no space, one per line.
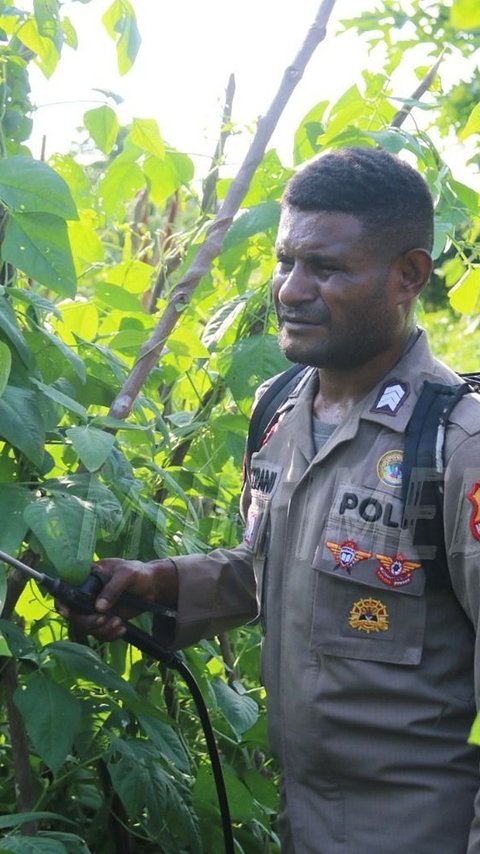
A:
[389,468]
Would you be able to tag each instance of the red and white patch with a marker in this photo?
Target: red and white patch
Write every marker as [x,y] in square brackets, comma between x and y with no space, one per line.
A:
[395,571]
[347,554]
[474,497]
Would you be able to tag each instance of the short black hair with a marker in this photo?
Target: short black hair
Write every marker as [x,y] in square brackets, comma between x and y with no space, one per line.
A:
[385,193]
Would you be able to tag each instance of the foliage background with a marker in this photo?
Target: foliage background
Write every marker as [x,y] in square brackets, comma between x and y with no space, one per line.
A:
[99,749]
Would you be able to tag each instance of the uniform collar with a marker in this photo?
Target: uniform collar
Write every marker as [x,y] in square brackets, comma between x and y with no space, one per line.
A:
[389,403]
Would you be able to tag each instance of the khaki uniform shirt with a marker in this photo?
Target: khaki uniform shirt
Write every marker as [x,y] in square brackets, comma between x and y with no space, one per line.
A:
[369,669]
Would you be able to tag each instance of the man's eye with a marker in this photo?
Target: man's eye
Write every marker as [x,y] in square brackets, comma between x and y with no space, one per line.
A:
[284,263]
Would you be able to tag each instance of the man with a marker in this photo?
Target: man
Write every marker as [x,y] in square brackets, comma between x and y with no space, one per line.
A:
[367,658]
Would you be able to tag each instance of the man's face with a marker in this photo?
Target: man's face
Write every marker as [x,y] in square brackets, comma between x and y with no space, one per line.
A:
[334,298]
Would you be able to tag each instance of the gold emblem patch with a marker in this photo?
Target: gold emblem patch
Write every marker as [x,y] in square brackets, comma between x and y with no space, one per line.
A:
[368,615]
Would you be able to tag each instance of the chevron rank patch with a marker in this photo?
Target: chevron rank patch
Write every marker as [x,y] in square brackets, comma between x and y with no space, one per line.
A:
[391,397]
[474,497]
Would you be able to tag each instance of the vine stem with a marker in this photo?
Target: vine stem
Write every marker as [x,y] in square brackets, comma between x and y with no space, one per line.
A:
[180,297]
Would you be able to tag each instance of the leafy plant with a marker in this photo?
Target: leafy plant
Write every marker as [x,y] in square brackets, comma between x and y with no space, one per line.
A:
[100,750]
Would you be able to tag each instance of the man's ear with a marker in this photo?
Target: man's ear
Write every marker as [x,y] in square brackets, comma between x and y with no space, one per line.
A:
[413,269]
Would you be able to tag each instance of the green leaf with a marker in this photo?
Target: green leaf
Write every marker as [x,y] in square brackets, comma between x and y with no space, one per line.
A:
[46,50]
[66,530]
[142,784]
[32,845]
[145,134]
[21,422]
[39,302]
[88,488]
[92,446]
[465,295]
[103,126]
[118,297]
[10,328]
[61,398]
[84,662]
[76,362]
[252,360]
[37,244]
[121,25]
[122,180]
[5,366]
[51,715]
[166,740]
[32,186]
[465,14]
[21,817]
[240,710]
[13,501]
[305,143]
[473,123]
[20,645]
[261,217]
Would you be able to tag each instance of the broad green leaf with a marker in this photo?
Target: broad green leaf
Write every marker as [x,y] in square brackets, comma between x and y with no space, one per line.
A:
[465,295]
[51,715]
[258,218]
[21,422]
[145,134]
[77,364]
[252,360]
[61,398]
[84,662]
[473,123]
[5,365]
[166,740]
[36,300]
[92,446]
[305,143]
[66,529]
[32,845]
[79,320]
[13,501]
[465,14]
[128,341]
[121,25]
[32,186]
[69,33]
[19,644]
[162,178]
[75,176]
[21,817]
[37,244]
[10,328]
[122,180]
[86,246]
[88,488]
[240,710]
[141,783]
[103,126]
[46,50]
[132,276]
[118,297]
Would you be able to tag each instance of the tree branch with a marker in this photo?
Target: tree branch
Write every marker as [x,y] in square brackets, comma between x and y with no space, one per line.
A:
[211,247]
[423,87]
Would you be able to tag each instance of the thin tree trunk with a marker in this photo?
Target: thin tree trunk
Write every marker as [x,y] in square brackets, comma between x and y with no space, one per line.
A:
[211,247]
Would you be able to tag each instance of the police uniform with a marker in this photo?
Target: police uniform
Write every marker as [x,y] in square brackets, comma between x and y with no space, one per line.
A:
[368,666]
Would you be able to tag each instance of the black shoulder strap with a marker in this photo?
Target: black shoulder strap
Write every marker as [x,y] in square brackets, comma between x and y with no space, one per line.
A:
[423,470]
[268,406]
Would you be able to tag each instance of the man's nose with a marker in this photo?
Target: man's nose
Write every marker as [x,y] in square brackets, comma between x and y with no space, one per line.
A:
[297,287]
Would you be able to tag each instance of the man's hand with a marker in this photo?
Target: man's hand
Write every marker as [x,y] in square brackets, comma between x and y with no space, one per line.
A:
[155,581]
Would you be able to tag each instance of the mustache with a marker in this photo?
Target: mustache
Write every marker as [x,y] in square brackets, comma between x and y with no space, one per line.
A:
[295,316]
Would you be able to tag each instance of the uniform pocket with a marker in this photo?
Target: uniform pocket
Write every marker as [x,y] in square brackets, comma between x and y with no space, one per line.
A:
[369,583]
